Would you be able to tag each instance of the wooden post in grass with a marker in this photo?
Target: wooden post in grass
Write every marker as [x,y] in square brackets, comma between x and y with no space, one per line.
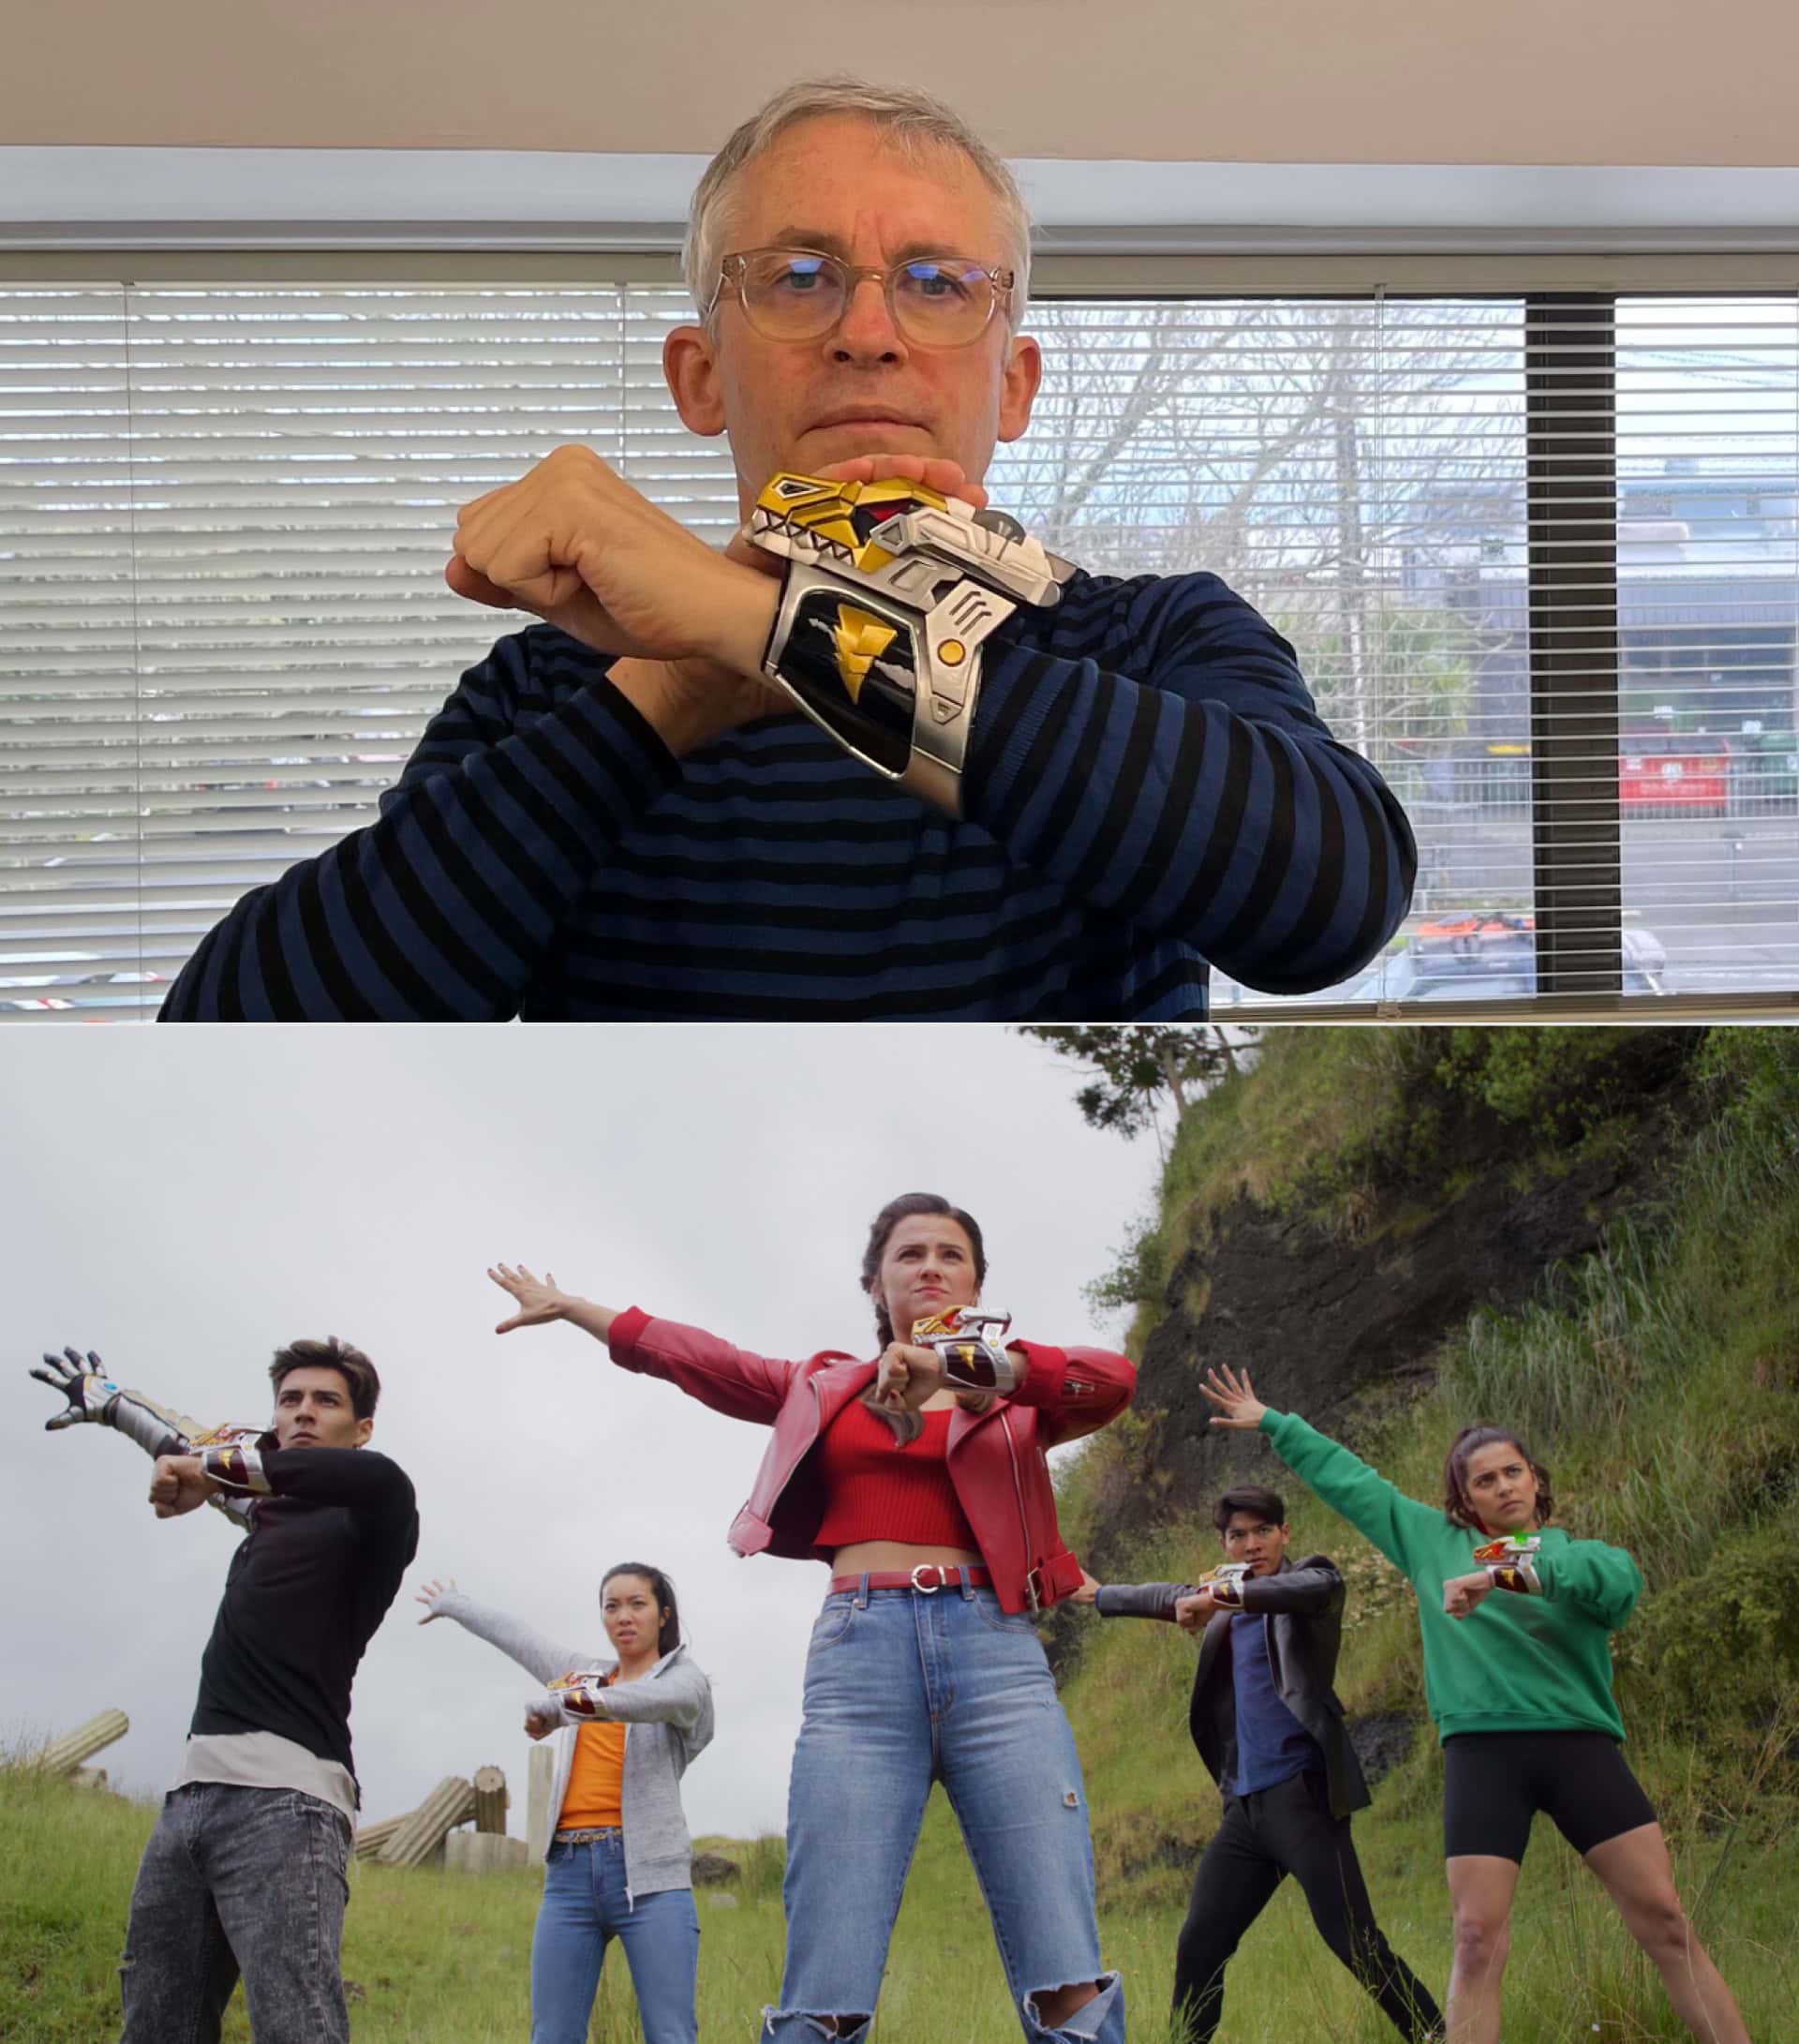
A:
[538,1813]
[370,1838]
[491,1802]
[419,1835]
[64,1755]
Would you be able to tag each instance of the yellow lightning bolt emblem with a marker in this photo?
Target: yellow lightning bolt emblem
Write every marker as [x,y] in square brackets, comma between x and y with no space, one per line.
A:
[861,639]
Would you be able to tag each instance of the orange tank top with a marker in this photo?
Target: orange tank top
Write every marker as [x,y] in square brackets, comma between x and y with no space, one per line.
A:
[595,1795]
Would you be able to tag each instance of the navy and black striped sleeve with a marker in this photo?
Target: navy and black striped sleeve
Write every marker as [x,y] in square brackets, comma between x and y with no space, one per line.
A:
[1196,794]
[444,907]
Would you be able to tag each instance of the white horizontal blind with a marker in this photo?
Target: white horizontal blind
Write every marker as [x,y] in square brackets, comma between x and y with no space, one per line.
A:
[1358,470]
[224,520]
[1709,593]
[1350,467]
[224,515]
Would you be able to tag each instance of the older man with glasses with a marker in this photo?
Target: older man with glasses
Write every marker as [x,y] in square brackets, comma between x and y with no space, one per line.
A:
[1023,792]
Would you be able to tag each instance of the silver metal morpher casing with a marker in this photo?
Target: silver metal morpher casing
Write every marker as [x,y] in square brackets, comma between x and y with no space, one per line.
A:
[945,701]
[954,538]
[971,1342]
[951,581]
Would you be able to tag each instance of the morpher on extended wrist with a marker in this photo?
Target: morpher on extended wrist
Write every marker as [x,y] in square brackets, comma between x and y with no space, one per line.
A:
[577,1695]
[1511,1562]
[1225,1583]
[969,1342]
[889,593]
[233,1457]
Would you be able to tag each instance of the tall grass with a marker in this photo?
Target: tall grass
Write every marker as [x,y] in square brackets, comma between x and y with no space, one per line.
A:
[1656,1373]
[1602,1336]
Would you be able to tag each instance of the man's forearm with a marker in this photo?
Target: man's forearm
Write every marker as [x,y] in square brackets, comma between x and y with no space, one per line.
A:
[1140,1599]
[445,907]
[1308,1592]
[688,703]
[1199,798]
[156,1428]
[358,1478]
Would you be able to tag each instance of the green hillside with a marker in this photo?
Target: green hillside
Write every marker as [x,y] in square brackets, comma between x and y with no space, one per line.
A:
[1593,1234]
[1656,1374]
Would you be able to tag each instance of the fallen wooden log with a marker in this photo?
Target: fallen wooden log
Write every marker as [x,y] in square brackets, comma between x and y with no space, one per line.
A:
[420,1834]
[65,1754]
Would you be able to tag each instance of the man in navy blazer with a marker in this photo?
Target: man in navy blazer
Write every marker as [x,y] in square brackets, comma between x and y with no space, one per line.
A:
[1271,1730]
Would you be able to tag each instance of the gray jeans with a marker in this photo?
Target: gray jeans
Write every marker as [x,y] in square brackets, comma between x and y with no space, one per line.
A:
[238,1880]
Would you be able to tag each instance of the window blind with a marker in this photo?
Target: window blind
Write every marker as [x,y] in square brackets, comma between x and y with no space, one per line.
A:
[1539,558]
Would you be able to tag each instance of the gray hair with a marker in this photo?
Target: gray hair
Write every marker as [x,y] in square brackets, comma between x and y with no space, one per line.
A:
[906,118]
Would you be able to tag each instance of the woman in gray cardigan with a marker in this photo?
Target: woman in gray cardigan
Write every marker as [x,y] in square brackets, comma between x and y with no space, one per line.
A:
[619,1862]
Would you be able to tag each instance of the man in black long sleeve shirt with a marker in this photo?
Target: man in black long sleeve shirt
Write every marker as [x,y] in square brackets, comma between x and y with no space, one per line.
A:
[244,1872]
[1270,1728]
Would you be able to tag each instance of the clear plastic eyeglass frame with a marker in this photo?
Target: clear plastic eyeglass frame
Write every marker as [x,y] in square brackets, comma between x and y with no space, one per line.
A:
[734,278]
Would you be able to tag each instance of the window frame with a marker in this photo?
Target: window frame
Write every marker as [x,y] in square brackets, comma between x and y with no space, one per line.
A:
[1576,845]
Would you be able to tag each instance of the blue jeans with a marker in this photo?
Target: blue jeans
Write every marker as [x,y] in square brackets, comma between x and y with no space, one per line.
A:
[238,1879]
[585,1907]
[905,1688]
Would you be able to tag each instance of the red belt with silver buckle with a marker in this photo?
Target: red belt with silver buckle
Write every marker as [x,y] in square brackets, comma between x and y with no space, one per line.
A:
[935,1576]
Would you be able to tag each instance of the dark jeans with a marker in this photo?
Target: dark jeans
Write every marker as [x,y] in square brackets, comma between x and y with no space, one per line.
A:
[1288,1829]
[238,1880]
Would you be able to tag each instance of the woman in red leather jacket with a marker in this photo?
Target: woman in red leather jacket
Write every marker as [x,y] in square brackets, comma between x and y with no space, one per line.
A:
[933,1507]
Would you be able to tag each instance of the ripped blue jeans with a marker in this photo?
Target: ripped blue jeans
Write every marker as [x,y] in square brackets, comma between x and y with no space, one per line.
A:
[904,1688]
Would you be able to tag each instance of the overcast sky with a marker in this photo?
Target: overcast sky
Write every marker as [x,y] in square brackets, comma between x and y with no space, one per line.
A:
[186,1201]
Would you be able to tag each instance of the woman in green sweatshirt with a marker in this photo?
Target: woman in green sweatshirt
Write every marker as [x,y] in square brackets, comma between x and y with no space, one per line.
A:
[1516,1619]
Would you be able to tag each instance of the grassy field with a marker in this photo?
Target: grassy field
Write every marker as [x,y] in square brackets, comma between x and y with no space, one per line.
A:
[1660,1380]
[443,1957]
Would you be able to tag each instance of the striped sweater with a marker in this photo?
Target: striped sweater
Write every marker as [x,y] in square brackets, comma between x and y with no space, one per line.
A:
[1149,788]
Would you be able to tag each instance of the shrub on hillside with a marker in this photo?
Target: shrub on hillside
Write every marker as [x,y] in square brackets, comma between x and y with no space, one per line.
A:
[1723,1642]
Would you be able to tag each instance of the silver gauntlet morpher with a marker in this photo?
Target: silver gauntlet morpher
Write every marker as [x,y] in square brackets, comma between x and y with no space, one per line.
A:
[970,1341]
[889,594]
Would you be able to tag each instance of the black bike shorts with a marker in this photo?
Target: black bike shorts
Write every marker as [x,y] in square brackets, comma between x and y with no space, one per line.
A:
[1493,1783]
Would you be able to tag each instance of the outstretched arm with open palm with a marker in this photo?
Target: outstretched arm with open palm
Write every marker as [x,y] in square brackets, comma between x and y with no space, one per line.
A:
[1345,1483]
[545,1658]
[541,1300]
[1235,1397]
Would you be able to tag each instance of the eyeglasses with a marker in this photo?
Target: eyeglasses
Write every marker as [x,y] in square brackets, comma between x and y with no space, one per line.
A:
[797,295]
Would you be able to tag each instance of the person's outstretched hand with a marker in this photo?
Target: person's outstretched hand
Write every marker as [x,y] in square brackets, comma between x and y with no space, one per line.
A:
[538,1299]
[84,1382]
[1236,1398]
[429,1597]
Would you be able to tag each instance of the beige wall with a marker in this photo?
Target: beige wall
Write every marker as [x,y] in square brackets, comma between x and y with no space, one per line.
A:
[1551,81]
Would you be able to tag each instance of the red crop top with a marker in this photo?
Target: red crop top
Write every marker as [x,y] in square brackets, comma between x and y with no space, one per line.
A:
[876,1489]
